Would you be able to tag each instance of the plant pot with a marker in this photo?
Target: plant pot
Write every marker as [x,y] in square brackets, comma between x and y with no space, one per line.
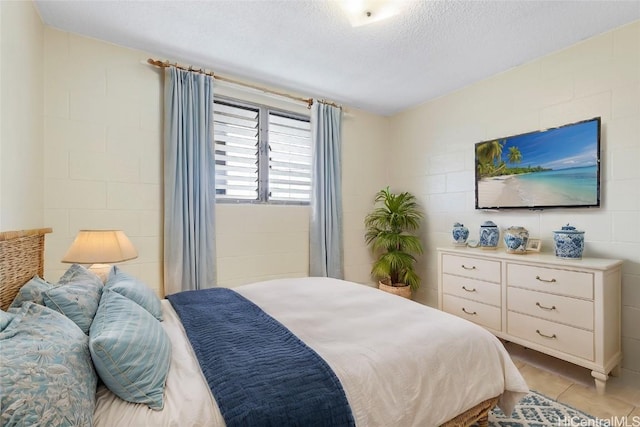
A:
[403,291]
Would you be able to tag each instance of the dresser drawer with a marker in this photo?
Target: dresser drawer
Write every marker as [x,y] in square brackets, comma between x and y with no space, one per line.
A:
[486,292]
[566,339]
[476,312]
[471,267]
[570,311]
[556,281]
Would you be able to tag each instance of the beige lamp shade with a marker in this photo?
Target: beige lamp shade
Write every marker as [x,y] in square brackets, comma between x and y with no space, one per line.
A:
[100,247]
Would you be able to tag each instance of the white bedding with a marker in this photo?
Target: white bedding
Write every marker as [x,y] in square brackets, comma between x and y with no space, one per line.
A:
[400,363]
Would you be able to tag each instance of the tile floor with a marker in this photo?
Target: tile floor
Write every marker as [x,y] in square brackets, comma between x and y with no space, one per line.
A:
[574,386]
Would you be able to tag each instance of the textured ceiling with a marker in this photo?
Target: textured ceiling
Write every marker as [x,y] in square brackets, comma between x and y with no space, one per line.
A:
[309,47]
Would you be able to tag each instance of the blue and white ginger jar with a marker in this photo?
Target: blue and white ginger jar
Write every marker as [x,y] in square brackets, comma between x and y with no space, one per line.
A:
[515,239]
[569,242]
[460,234]
[489,235]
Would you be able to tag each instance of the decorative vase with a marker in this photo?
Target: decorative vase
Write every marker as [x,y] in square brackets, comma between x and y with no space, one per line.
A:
[489,235]
[568,242]
[515,239]
[460,234]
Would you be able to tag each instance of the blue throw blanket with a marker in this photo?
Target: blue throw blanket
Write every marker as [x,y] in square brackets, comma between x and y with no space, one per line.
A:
[259,372]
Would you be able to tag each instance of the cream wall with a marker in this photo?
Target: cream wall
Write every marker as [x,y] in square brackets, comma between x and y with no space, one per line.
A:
[21,130]
[102,122]
[103,169]
[364,173]
[433,155]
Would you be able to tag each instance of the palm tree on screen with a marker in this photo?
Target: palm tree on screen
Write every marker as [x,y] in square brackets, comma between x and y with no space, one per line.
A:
[514,155]
[488,153]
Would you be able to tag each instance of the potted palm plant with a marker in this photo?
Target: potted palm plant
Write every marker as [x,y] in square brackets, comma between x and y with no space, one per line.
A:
[390,229]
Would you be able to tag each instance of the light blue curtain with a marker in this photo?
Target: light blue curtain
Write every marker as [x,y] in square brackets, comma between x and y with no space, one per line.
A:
[325,239]
[189,182]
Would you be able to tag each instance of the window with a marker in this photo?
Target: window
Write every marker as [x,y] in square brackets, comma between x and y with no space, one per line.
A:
[262,154]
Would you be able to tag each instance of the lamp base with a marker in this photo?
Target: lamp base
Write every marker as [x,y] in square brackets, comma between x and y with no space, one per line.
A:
[101,270]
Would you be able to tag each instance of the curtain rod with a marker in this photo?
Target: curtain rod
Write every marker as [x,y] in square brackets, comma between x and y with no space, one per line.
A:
[165,64]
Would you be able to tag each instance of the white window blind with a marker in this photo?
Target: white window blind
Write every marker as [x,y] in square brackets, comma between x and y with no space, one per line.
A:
[289,158]
[262,154]
[236,151]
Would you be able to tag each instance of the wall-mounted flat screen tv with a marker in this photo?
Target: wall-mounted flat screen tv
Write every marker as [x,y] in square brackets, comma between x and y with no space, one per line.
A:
[551,168]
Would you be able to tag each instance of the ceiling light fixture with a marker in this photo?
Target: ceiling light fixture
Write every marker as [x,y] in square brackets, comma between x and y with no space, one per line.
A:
[362,12]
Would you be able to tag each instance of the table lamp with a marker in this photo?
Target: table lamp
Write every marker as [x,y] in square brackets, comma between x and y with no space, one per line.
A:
[100,248]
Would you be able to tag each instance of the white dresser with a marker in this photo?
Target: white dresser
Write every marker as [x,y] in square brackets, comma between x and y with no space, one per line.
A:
[569,309]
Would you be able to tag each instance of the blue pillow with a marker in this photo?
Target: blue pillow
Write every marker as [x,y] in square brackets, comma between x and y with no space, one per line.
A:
[31,291]
[77,296]
[130,350]
[46,373]
[130,287]
[5,319]
[77,273]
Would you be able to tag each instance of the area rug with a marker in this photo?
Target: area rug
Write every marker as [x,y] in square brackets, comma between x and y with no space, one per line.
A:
[537,410]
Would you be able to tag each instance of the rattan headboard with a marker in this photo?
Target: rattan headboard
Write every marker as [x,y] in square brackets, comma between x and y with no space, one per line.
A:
[21,257]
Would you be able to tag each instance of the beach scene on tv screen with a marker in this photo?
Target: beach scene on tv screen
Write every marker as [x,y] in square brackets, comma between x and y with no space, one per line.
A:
[555,167]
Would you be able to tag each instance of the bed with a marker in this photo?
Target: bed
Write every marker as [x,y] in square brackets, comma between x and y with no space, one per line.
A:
[399,363]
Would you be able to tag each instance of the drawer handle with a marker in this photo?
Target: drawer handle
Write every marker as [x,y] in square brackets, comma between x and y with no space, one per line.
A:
[545,280]
[468,268]
[473,313]
[468,290]
[551,337]
[553,307]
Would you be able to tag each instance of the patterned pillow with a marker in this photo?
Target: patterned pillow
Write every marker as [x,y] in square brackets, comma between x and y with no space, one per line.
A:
[130,287]
[130,350]
[77,296]
[31,291]
[5,319]
[46,374]
[77,273]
